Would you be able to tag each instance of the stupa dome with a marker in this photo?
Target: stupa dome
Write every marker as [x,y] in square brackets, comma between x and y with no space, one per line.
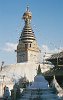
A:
[39,81]
[39,78]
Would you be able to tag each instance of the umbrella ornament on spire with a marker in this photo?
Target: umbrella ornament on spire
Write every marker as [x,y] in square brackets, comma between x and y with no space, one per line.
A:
[27,15]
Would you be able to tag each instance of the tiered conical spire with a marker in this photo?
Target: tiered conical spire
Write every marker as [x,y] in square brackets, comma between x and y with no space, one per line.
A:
[27,35]
[27,48]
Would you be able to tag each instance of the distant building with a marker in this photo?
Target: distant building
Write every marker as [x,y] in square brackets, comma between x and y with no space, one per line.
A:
[57,59]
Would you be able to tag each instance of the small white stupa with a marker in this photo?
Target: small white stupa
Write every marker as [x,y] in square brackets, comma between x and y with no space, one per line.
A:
[39,81]
[39,90]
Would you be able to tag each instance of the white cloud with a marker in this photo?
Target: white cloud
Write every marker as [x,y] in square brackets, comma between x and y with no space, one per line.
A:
[10,47]
[45,48]
[48,52]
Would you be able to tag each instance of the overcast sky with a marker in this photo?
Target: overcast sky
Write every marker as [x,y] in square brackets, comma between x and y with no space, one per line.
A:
[47,24]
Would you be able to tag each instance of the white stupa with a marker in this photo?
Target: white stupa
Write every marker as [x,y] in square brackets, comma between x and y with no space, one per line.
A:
[39,81]
[39,90]
[28,57]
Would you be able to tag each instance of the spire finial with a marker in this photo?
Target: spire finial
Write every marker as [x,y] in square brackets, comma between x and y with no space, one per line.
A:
[39,70]
[27,7]
[27,15]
